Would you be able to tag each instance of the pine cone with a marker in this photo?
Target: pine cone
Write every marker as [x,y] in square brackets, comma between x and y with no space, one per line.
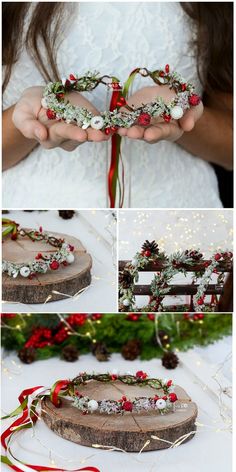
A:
[100,351]
[150,246]
[27,355]
[131,350]
[66,214]
[125,278]
[170,360]
[70,353]
[195,255]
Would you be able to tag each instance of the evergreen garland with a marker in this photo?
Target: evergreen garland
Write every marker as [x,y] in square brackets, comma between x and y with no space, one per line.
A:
[184,331]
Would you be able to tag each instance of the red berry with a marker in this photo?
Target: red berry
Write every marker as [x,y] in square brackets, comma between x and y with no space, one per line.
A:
[51,114]
[217,256]
[194,100]
[72,77]
[147,253]
[54,265]
[186,316]
[114,377]
[60,96]
[121,102]
[144,119]
[183,87]
[39,256]
[161,74]
[141,375]
[151,316]
[127,406]
[200,301]
[166,117]
[167,68]
[67,84]
[108,131]
[169,383]
[172,397]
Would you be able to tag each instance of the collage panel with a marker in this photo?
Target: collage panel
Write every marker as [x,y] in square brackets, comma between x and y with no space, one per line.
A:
[111,391]
[176,260]
[59,260]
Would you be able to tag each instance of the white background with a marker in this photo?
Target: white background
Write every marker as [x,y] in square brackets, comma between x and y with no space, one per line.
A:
[96,229]
[207,230]
[209,450]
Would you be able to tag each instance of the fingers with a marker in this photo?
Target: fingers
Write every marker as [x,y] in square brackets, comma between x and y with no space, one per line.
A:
[26,123]
[59,133]
[96,135]
[135,132]
[162,131]
[190,118]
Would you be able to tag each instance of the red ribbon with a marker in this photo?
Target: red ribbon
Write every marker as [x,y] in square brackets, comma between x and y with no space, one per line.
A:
[23,420]
[57,387]
[115,140]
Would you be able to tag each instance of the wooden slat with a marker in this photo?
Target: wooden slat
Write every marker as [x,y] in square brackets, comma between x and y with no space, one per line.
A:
[179,290]
[158,266]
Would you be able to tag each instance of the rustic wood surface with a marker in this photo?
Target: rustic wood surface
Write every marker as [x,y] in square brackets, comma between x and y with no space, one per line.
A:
[129,431]
[66,280]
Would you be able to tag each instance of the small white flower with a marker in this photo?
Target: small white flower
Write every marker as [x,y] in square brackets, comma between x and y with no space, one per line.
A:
[97,122]
[24,271]
[161,404]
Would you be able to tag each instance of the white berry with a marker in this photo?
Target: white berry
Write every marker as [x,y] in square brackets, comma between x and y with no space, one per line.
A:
[177,112]
[64,246]
[126,302]
[160,404]
[97,122]
[70,258]
[92,405]
[25,271]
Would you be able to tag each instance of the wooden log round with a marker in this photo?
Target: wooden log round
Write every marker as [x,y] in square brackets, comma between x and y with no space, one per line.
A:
[128,432]
[67,280]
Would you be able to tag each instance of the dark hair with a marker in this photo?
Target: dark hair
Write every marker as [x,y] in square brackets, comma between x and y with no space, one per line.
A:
[45,24]
[214,44]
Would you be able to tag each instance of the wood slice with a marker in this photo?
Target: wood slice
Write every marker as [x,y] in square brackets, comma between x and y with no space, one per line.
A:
[129,431]
[67,280]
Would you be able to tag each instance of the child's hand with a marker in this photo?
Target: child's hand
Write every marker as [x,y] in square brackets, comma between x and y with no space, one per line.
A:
[159,130]
[31,120]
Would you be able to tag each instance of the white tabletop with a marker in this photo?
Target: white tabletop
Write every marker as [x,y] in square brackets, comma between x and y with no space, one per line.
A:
[97,231]
[209,450]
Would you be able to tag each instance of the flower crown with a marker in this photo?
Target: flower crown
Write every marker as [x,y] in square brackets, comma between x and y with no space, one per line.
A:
[123,115]
[42,262]
[163,402]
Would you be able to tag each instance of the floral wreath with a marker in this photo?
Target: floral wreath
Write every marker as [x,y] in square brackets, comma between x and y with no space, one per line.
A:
[160,403]
[42,262]
[54,101]
[173,264]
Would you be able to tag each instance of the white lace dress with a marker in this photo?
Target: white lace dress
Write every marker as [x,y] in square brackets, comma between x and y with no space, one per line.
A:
[113,38]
